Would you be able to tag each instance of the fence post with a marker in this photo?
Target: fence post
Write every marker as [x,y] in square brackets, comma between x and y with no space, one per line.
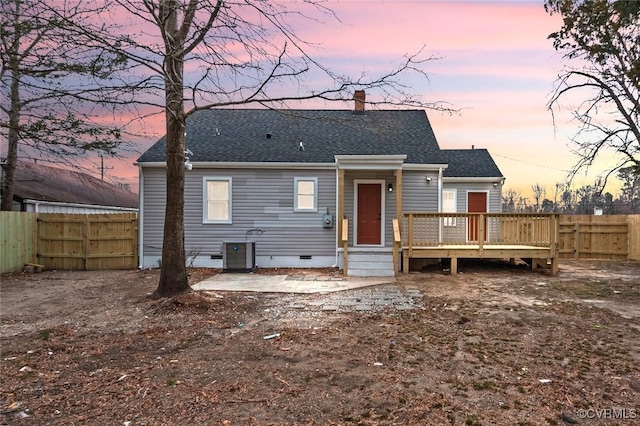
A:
[85,249]
[36,238]
[576,240]
[633,237]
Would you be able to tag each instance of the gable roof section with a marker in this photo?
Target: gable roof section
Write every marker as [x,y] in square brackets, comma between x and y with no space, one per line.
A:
[262,135]
[470,163]
[43,183]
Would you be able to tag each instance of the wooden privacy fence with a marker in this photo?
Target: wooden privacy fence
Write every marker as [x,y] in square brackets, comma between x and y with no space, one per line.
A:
[71,241]
[18,240]
[634,236]
[599,237]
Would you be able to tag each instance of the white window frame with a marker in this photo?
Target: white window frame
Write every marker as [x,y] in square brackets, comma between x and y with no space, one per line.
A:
[297,180]
[450,221]
[205,199]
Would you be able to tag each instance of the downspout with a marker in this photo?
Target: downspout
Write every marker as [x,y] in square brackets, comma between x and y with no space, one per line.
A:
[335,265]
[440,187]
[140,217]
[440,190]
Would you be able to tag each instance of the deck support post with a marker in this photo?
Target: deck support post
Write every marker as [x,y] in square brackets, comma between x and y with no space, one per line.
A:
[554,265]
[340,213]
[398,175]
[454,266]
[343,223]
[345,246]
[397,241]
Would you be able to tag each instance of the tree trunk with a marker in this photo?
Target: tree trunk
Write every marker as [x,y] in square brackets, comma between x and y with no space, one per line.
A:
[173,273]
[12,155]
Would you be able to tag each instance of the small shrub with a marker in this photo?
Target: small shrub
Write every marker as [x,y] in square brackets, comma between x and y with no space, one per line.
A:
[45,334]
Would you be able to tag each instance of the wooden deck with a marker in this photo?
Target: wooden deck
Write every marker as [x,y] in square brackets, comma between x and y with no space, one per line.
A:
[479,235]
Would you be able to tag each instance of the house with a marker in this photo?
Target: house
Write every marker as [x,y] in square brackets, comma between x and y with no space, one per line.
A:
[287,179]
[43,189]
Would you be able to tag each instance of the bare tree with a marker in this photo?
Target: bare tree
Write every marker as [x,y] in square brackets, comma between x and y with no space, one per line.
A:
[588,197]
[522,205]
[539,193]
[509,200]
[630,192]
[56,85]
[557,191]
[237,53]
[567,198]
[548,206]
[602,38]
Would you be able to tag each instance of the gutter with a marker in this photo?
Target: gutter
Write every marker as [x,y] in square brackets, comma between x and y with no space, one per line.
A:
[38,203]
[230,165]
[336,222]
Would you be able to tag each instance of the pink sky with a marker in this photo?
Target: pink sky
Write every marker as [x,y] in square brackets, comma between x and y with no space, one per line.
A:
[497,66]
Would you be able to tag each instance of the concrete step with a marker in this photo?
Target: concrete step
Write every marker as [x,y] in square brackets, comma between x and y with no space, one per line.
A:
[370,264]
[370,272]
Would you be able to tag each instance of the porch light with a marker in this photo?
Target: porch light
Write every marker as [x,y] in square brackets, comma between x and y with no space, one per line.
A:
[428,179]
[390,187]
[187,163]
[495,184]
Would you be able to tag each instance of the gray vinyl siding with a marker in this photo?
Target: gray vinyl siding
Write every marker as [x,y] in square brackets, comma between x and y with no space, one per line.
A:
[462,188]
[389,199]
[417,195]
[262,211]
[494,195]
[152,208]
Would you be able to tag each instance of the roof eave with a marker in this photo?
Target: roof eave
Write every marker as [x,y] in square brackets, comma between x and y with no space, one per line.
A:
[79,205]
[238,165]
[483,179]
[429,167]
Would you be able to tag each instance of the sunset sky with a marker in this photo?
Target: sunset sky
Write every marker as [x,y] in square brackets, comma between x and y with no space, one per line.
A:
[497,66]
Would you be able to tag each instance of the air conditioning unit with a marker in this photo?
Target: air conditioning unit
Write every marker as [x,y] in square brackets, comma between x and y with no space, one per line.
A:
[238,256]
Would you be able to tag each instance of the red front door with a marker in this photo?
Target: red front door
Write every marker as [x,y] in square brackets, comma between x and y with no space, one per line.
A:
[369,213]
[476,203]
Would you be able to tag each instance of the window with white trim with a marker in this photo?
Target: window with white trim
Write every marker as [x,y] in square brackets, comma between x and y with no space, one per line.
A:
[217,200]
[449,206]
[305,197]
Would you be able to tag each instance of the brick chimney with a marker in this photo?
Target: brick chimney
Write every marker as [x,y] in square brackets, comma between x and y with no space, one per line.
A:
[359,96]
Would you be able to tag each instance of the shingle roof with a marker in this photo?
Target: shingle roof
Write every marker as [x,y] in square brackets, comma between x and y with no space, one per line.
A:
[242,135]
[39,182]
[470,163]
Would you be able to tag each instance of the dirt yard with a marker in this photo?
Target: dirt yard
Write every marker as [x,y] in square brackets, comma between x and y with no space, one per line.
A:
[496,345]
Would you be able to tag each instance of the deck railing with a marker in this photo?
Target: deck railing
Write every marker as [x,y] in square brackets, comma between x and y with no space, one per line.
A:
[439,229]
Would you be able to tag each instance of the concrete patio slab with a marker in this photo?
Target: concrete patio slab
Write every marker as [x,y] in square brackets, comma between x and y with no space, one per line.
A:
[286,283]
